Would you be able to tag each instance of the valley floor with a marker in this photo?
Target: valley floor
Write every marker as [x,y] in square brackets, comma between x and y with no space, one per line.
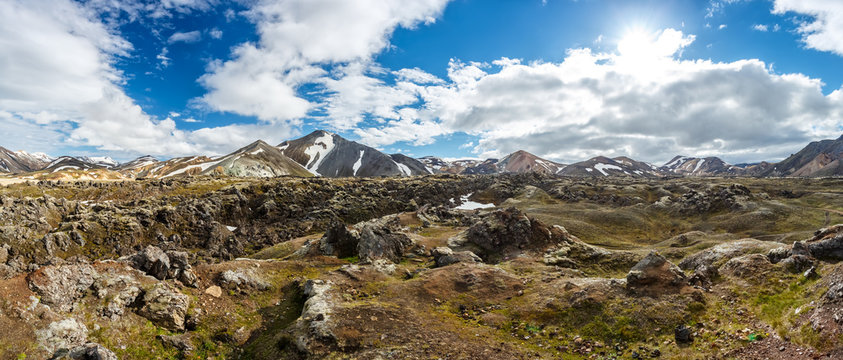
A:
[289,268]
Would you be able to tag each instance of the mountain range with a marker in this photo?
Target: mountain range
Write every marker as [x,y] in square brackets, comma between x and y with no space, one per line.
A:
[322,153]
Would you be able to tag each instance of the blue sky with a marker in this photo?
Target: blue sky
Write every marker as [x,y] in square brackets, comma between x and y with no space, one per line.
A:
[745,80]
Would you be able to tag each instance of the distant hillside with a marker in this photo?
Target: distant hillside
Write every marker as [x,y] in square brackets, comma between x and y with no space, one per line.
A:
[517,162]
[694,166]
[604,166]
[16,162]
[327,154]
[819,158]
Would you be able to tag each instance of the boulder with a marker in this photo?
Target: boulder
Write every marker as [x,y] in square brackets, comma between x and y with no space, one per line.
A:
[118,293]
[59,286]
[655,275]
[214,291]
[339,241]
[64,334]
[380,242]
[165,307]
[683,335]
[152,261]
[798,263]
[181,343]
[241,280]
[444,256]
[89,351]
[748,267]
[181,270]
[164,265]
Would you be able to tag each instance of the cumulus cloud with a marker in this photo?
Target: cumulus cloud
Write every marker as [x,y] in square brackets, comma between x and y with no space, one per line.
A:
[824,31]
[187,37]
[643,102]
[299,42]
[760,27]
[57,64]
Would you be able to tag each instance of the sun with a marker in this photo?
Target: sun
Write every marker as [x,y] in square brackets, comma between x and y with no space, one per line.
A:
[636,43]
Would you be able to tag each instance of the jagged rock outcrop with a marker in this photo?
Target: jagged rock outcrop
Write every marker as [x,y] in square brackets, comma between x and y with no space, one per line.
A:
[379,239]
[164,265]
[826,245]
[315,325]
[504,234]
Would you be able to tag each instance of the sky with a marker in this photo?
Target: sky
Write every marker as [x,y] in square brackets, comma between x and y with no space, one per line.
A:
[745,80]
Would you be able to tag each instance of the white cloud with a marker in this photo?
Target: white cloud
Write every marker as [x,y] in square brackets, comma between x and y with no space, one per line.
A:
[59,81]
[174,114]
[131,10]
[187,37]
[722,26]
[164,61]
[215,33]
[298,39]
[644,102]
[824,31]
[417,76]
[760,27]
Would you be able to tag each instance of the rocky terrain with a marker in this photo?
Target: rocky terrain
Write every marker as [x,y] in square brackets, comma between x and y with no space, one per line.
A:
[313,268]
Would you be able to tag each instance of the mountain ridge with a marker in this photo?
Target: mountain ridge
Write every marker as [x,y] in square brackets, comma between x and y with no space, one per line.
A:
[322,153]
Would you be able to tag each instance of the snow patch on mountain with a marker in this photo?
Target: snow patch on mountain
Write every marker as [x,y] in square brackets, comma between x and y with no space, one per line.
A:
[359,162]
[317,152]
[405,170]
[601,167]
[699,164]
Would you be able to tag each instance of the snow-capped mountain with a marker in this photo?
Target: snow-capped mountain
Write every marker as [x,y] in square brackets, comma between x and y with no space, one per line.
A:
[323,153]
[603,166]
[189,165]
[440,166]
[21,161]
[522,162]
[327,154]
[137,165]
[694,166]
[517,162]
[257,159]
[70,163]
[103,161]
